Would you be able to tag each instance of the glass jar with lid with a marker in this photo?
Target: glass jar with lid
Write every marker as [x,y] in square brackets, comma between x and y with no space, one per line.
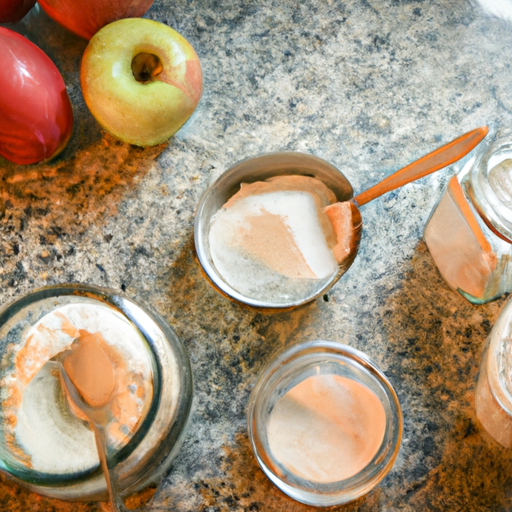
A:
[469,233]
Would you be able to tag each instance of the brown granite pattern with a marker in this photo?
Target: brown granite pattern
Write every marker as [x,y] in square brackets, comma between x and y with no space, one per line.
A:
[368,86]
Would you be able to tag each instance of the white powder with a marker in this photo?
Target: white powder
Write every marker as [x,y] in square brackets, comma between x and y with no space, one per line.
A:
[54,440]
[265,245]
[327,428]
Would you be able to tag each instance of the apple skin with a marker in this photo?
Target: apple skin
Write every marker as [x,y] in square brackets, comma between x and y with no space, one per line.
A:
[12,11]
[36,118]
[85,17]
[143,114]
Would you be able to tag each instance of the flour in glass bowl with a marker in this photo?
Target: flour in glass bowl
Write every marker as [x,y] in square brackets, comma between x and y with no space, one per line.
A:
[41,431]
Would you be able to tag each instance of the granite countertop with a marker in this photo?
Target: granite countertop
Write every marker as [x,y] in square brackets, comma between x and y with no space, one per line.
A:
[367,85]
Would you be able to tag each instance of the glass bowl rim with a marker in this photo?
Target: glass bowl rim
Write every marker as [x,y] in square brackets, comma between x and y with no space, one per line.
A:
[62,488]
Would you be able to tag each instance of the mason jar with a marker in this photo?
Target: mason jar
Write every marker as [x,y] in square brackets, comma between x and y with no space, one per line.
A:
[493,397]
[469,233]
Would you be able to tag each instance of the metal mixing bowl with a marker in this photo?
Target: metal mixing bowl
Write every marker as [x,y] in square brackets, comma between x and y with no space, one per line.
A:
[259,169]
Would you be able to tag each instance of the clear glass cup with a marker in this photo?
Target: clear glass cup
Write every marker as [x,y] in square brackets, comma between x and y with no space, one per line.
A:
[288,370]
[469,233]
[493,396]
[150,451]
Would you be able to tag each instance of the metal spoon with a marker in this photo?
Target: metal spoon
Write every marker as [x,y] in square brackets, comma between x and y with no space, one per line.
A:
[98,419]
[438,159]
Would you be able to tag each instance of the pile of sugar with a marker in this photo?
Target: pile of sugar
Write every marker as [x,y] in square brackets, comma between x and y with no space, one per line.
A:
[272,240]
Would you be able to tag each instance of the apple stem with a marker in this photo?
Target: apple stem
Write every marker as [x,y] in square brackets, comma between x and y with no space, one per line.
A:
[146,66]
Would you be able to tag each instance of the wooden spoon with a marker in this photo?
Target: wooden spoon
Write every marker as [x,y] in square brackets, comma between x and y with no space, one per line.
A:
[346,217]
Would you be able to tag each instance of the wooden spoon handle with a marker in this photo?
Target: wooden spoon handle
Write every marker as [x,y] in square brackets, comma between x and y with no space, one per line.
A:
[427,164]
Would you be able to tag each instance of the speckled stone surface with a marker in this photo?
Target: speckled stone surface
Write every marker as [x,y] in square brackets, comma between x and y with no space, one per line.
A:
[367,85]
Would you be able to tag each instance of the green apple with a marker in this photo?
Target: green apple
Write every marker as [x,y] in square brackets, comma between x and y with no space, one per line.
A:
[141,80]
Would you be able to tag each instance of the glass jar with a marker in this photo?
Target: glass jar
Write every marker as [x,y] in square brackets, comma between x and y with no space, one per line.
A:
[148,453]
[493,397]
[289,371]
[469,233]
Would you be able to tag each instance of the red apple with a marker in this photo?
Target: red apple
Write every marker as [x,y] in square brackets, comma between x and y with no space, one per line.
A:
[86,17]
[13,10]
[141,80]
[36,118]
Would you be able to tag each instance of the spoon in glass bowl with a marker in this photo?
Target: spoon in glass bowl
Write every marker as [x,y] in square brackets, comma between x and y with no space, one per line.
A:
[98,417]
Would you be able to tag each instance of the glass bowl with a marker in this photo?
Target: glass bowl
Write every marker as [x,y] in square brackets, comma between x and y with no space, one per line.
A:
[260,169]
[152,446]
[290,369]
